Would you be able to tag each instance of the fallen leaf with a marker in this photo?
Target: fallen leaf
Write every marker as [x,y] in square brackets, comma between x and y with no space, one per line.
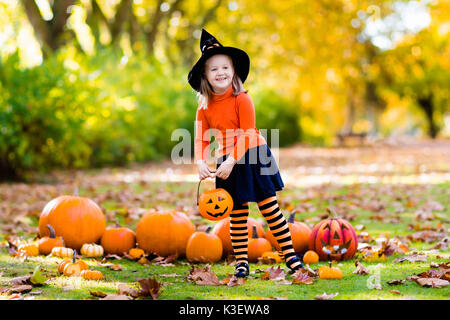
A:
[360,269]
[23,288]
[300,277]
[37,278]
[273,273]
[326,296]
[233,281]
[116,297]
[432,282]
[150,287]
[396,292]
[98,294]
[204,276]
[395,282]
[125,289]
[412,258]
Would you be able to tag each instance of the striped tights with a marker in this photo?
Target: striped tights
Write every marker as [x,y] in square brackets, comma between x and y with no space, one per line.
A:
[277,223]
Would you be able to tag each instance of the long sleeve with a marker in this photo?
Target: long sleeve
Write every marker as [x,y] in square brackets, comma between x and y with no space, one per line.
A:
[248,135]
[202,136]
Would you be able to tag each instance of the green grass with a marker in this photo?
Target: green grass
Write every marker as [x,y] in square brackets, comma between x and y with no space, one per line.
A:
[175,285]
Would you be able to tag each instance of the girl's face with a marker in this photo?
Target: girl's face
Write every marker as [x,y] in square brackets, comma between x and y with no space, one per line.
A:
[219,72]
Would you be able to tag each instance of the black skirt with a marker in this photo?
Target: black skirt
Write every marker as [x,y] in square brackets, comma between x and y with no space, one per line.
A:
[254,177]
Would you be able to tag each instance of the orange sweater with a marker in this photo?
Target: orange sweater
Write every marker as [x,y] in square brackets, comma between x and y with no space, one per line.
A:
[232,119]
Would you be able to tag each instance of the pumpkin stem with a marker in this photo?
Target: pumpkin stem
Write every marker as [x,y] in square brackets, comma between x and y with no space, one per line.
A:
[73,256]
[291,218]
[255,232]
[52,231]
[208,229]
[332,213]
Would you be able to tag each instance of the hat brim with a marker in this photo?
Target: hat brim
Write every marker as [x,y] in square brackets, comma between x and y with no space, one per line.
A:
[240,58]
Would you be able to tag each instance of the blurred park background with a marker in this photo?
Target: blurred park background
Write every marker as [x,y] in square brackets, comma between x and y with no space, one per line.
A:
[92,83]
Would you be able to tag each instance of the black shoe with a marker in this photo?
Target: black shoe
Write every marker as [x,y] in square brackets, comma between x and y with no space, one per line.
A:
[242,270]
[293,261]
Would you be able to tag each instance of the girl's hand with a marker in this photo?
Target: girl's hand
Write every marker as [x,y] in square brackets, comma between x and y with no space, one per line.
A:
[204,171]
[224,170]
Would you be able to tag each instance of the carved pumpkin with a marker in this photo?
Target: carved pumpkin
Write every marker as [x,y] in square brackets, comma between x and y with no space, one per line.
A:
[300,233]
[310,257]
[214,204]
[77,219]
[204,247]
[329,272]
[164,232]
[117,240]
[91,275]
[222,230]
[333,238]
[257,246]
[46,244]
[92,250]
[62,252]
[72,267]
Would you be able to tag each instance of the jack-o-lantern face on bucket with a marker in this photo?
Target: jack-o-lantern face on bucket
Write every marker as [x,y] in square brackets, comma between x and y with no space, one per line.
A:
[333,238]
[215,204]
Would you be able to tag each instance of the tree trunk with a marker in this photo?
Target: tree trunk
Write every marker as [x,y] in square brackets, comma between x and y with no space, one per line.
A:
[426,103]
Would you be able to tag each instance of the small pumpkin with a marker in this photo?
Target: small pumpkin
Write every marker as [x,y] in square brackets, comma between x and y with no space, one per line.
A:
[300,233]
[30,249]
[329,272]
[91,275]
[257,246]
[204,247]
[46,244]
[117,240]
[222,230]
[270,257]
[62,252]
[333,238]
[310,257]
[92,250]
[72,267]
[136,253]
[214,204]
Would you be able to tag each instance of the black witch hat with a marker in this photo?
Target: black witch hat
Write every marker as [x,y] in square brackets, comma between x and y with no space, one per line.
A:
[209,46]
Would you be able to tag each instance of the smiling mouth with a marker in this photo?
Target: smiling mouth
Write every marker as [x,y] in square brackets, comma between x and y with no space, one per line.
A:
[217,214]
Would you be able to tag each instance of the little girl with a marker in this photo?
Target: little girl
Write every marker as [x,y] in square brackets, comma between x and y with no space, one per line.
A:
[245,166]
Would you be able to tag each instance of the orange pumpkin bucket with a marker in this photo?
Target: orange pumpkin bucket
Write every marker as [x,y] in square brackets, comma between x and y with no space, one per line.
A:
[215,204]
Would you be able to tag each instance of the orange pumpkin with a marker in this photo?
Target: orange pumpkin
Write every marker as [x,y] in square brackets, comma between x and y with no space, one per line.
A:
[310,257]
[300,233]
[222,230]
[72,267]
[77,219]
[91,275]
[329,272]
[136,253]
[164,232]
[257,246]
[333,238]
[214,204]
[270,257]
[204,247]
[30,249]
[117,240]
[46,244]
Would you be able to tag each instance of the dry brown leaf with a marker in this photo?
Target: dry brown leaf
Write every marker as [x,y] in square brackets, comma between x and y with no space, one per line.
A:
[360,269]
[326,296]
[150,287]
[204,276]
[116,297]
[300,277]
[412,258]
[233,281]
[432,282]
[97,294]
[273,273]
[395,282]
[125,289]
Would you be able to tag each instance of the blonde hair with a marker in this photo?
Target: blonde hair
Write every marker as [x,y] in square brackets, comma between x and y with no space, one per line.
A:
[206,91]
